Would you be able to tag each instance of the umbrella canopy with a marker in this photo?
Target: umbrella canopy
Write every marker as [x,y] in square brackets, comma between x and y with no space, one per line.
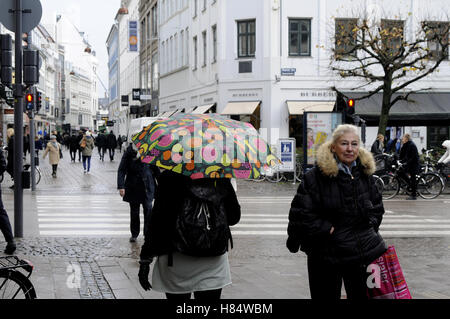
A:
[205,146]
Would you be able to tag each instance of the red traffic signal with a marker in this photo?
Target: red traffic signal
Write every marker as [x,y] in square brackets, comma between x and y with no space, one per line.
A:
[351,103]
[350,107]
[29,98]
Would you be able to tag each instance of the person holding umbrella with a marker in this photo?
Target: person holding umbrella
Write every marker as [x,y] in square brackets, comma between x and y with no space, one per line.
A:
[195,202]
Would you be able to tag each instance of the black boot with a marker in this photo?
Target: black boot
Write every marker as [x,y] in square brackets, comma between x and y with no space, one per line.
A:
[10,248]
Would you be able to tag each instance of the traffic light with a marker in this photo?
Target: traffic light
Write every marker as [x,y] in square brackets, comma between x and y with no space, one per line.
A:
[29,100]
[38,101]
[30,67]
[6,59]
[350,111]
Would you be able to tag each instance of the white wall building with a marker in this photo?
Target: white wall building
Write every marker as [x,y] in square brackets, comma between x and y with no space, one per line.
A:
[128,63]
[262,54]
[81,60]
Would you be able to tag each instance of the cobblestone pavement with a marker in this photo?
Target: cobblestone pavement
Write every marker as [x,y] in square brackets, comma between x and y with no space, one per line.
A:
[105,267]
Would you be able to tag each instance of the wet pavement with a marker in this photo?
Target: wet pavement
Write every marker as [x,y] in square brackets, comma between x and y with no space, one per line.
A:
[106,267]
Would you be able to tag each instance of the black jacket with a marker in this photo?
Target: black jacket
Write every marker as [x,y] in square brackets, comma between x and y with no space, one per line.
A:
[2,162]
[331,198]
[376,147]
[137,178]
[169,199]
[10,159]
[410,157]
[111,141]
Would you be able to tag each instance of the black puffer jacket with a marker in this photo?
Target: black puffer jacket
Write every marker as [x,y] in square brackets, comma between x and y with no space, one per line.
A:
[169,200]
[331,198]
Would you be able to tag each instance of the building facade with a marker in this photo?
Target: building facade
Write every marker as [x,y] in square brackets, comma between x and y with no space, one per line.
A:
[269,61]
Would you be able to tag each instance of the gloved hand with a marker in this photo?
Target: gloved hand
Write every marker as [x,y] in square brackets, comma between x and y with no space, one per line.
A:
[292,245]
[144,270]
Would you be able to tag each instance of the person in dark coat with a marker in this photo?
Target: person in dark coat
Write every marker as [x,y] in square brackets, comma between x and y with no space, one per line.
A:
[26,144]
[100,142]
[119,143]
[5,225]
[409,156]
[10,149]
[79,138]
[73,147]
[185,274]
[136,184]
[335,217]
[111,142]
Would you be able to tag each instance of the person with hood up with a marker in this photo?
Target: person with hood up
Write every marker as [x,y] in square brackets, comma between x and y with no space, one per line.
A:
[86,146]
[53,149]
[335,217]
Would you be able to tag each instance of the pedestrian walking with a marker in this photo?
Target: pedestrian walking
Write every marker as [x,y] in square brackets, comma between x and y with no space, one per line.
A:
[409,156]
[378,145]
[136,184]
[119,143]
[176,272]
[10,149]
[73,147]
[335,216]
[79,138]
[26,144]
[100,142]
[87,146]
[5,225]
[54,150]
[111,143]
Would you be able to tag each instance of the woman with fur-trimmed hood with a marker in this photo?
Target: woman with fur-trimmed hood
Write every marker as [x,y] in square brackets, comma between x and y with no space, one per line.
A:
[335,216]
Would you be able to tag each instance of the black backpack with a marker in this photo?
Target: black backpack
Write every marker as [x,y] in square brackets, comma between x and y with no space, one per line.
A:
[201,228]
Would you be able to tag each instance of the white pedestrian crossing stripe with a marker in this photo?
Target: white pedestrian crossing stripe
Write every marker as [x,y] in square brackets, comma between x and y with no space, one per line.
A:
[108,215]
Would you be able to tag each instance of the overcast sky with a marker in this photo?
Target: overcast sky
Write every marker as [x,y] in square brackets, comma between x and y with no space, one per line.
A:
[94,17]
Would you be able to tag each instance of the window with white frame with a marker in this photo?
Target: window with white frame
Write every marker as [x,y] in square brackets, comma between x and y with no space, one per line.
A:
[299,37]
[246,38]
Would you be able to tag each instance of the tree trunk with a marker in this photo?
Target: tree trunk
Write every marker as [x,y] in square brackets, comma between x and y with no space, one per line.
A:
[385,108]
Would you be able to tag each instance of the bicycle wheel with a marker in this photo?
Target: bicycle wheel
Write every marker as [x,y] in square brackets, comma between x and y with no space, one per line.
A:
[391,186]
[378,183]
[14,285]
[37,175]
[429,185]
[275,177]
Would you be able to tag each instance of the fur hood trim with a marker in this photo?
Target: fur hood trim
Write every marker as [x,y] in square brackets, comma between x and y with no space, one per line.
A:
[329,166]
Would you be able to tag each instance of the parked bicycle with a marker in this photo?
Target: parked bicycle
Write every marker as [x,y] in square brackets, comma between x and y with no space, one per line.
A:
[27,168]
[14,284]
[429,185]
[431,165]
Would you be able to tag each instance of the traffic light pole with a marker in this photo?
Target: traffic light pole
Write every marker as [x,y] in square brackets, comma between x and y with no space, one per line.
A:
[32,149]
[18,124]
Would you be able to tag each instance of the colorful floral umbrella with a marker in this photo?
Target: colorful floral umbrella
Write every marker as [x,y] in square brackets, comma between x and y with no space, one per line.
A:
[205,146]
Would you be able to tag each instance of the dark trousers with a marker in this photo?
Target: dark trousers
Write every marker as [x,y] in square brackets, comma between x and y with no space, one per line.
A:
[111,153]
[79,154]
[325,280]
[54,168]
[73,154]
[101,152]
[5,225]
[135,221]
[411,180]
[206,295]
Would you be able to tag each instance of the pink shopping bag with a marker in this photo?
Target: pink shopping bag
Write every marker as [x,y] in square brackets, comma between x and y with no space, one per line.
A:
[389,282]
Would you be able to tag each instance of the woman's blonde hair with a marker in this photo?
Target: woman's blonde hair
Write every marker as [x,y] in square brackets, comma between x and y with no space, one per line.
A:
[9,132]
[343,129]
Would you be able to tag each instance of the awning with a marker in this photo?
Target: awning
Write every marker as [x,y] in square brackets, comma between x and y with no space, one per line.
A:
[428,109]
[241,108]
[189,110]
[170,113]
[298,107]
[178,111]
[202,109]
